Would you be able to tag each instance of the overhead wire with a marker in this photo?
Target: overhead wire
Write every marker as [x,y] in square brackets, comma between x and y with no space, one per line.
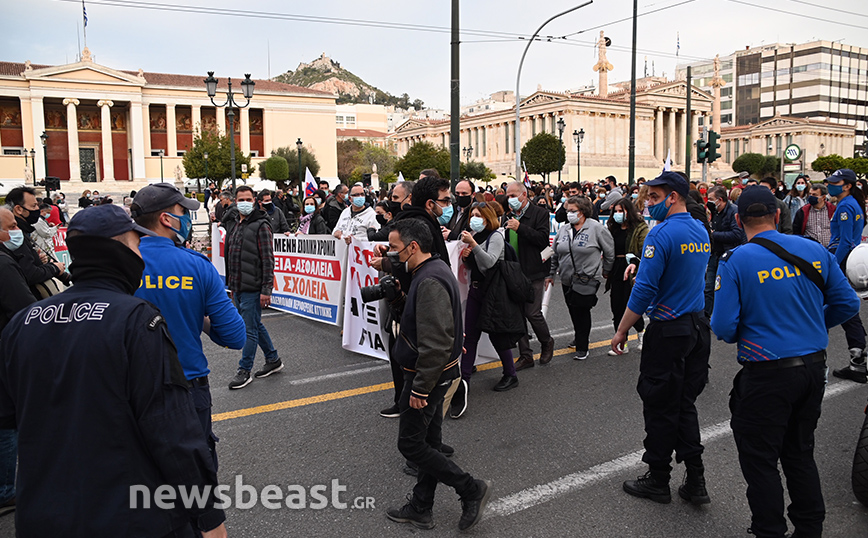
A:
[794,14]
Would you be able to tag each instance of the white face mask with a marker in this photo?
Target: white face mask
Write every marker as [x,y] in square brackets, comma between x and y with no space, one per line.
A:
[245,208]
[573,217]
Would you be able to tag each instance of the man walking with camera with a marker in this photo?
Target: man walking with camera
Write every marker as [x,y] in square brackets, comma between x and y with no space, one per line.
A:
[429,350]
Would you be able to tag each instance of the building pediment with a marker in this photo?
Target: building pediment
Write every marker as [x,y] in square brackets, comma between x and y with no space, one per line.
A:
[88,72]
[781,122]
[540,97]
[676,89]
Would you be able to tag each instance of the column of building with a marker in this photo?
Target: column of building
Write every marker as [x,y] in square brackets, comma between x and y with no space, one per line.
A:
[38,114]
[658,135]
[108,166]
[171,131]
[671,148]
[245,131]
[140,137]
[72,139]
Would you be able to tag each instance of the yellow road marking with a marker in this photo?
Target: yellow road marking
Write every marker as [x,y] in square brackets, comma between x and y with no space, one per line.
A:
[339,395]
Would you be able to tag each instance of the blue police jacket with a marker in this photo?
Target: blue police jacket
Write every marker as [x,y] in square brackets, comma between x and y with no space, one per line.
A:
[671,277]
[186,288]
[846,228]
[754,288]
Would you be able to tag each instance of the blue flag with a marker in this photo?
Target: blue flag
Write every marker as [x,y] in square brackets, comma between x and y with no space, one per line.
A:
[84,13]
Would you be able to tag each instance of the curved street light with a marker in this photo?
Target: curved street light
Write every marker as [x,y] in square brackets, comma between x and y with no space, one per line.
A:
[231,104]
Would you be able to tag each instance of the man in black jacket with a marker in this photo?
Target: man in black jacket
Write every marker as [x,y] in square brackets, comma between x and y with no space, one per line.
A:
[527,230]
[37,268]
[335,205]
[429,349]
[464,191]
[114,397]
[726,234]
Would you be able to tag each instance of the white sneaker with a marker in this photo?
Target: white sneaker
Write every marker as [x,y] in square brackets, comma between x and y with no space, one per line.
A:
[639,337]
[581,355]
[625,350]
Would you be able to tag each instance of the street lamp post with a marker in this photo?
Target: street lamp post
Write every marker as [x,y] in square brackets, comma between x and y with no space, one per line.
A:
[518,80]
[299,145]
[44,138]
[231,104]
[162,151]
[578,136]
[199,181]
[561,126]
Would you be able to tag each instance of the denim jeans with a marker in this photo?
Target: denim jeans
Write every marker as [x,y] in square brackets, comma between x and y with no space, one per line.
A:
[8,457]
[250,309]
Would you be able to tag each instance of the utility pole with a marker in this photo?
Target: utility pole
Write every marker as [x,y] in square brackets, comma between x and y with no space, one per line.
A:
[455,110]
[631,148]
[689,138]
[704,162]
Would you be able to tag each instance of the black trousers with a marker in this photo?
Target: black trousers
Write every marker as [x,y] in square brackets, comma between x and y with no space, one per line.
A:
[397,370]
[619,296]
[202,403]
[580,312]
[419,437]
[855,332]
[673,372]
[774,415]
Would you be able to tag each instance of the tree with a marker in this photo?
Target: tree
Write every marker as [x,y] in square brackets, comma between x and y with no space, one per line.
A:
[348,151]
[752,163]
[276,168]
[219,163]
[476,170]
[828,164]
[308,160]
[424,155]
[771,166]
[368,157]
[543,154]
[859,166]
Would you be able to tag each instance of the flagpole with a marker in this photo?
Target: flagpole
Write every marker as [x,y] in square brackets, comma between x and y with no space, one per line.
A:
[84,16]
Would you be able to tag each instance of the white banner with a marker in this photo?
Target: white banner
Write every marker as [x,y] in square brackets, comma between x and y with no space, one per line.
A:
[363,332]
[485,351]
[308,273]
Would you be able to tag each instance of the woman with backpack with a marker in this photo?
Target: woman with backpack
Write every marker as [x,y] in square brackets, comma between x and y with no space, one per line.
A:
[485,248]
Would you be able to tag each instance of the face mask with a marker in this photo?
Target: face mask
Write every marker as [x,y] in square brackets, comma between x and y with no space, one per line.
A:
[563,199]
[711,206]
[269,207]
[477,224]
[16,239]
[835,190]
[395,259]
[382,220]
[800,187]
[515,203]
[394,208]
[358,201]
[32,218]
[619,218]
[658,211]
[309,209]
[464,201]
[635,195]
[573,217]
[185,223]
[446,216]
[245,208]
[813,200]
[703,191]
[744,181]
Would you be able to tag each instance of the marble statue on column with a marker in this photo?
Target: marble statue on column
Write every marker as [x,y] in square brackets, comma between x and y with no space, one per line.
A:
[717,82]
[602,66]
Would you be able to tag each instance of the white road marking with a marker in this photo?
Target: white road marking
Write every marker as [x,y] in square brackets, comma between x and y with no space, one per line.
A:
[533,496]
[323,377]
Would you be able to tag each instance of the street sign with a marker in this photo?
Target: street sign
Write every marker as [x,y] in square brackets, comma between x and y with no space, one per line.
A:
[244,166]
[793,167]
[792,152]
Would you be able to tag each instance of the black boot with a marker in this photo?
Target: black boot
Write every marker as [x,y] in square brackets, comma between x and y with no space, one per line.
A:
[653,485]
[693,489]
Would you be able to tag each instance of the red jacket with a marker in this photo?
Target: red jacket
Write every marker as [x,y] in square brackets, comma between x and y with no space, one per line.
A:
[800,221]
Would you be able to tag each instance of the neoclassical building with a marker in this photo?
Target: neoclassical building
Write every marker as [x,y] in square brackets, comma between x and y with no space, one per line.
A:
[116,130]
[661,127]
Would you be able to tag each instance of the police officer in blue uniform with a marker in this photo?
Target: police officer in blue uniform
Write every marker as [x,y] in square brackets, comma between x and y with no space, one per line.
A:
[186,287]
[673,369]
[846,233]
[108,409]
[777,394]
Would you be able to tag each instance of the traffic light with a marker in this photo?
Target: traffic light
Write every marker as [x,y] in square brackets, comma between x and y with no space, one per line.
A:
[701,150]
[713,146]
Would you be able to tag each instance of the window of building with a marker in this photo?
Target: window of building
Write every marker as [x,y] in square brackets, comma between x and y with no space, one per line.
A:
[532,127]
[181,152]
[339,119]
[156,152]
[13,151]
[351,120]
[728,154]
[736,148]
[506,137]
[726,92]
[254,153]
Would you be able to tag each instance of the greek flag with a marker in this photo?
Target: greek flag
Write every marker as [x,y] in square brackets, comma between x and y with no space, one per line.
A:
[84,13]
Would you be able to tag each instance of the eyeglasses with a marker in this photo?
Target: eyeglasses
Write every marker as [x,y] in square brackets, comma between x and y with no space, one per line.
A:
[479,204]
[444,200]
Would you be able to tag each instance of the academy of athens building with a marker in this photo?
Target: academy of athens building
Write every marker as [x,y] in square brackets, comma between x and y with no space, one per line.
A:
[107,128]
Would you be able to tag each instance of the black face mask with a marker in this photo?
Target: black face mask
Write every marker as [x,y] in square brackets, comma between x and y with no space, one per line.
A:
[33,217]
[269,207]
[103,258]
[813,200]
[711,207]
[381,219]
[394,208]
[464,201]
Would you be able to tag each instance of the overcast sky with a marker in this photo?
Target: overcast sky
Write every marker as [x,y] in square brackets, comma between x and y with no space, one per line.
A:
[413,61]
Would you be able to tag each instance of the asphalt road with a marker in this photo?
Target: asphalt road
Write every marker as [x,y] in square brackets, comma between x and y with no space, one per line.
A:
[557,447]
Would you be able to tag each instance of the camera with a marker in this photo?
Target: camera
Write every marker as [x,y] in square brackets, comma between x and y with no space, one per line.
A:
[387,289]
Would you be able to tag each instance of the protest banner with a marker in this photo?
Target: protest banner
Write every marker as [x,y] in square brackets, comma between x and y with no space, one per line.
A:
[61,252]
[363,331]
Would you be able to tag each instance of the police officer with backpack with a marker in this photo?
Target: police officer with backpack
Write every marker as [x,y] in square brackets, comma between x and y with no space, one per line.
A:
[777,394]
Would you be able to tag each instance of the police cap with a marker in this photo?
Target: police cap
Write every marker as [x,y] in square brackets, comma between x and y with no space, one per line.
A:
[756,201]
[844,174]
[106,220]
[160,196]
[673,180]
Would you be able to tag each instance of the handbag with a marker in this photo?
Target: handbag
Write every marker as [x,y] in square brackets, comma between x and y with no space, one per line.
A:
[582,284]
